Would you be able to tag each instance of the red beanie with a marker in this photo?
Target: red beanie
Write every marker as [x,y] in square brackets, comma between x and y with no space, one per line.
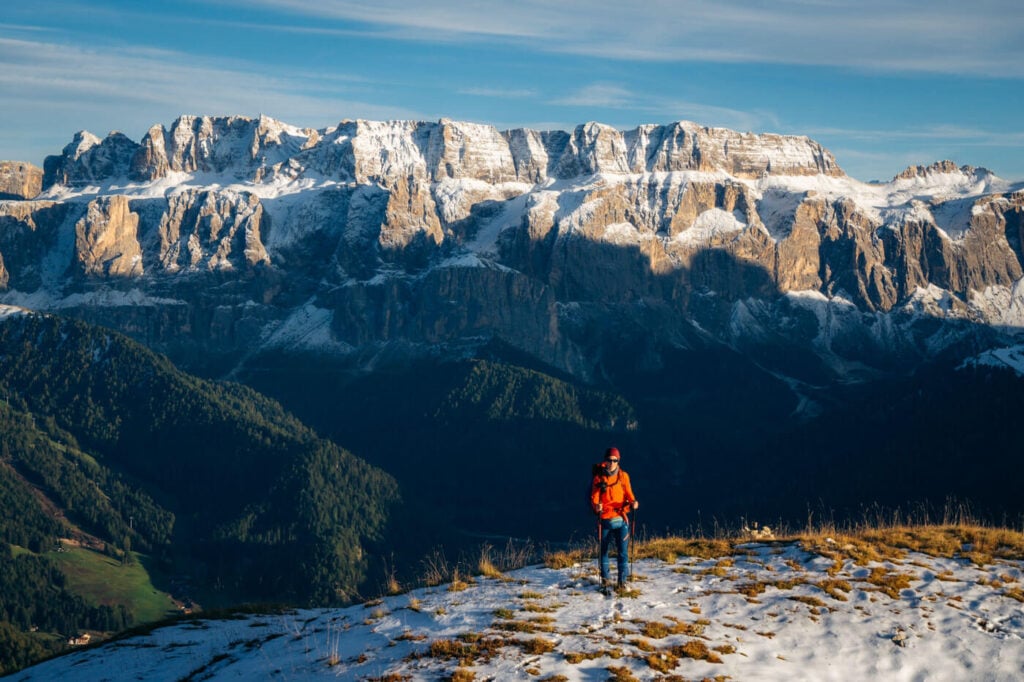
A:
[612,452]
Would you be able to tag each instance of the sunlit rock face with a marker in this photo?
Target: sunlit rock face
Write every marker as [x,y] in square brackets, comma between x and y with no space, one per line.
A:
[388,239]
[19,180]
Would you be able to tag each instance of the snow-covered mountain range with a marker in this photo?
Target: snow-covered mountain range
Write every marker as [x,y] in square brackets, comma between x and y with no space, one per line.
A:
[769,612]
[226,237]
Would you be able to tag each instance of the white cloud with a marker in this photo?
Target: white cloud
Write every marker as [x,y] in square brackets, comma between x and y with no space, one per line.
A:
[657,107]
[600,95]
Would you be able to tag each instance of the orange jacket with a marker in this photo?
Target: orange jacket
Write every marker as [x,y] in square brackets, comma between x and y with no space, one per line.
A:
[616,497]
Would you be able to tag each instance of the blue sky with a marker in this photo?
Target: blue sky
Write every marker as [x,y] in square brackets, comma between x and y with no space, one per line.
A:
[882,84]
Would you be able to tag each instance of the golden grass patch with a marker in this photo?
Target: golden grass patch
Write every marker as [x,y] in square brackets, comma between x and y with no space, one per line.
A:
[535,645]
[662,662]
[458,584]
[467,648]
[487,569]
[531,626]
[810,601]
[621,674]
[567,559]
[1015,593]
[834,588]
[696,650]
[888,583]
[695,547]
[575,657]
[655,629]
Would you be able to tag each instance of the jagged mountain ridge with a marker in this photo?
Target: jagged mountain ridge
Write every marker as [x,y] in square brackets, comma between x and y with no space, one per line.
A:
[410,236]
[257,149]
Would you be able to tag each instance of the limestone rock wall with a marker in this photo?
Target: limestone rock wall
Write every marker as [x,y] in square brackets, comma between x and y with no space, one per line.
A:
[446,235]
[19,180]
[371,151]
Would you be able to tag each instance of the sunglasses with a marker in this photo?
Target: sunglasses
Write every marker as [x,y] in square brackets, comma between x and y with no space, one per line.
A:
[610,461]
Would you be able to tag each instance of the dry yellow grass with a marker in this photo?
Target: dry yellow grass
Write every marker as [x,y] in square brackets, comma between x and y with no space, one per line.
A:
[575,657]
[861,545]
[1015,593]
[979,544]
[486,568]
[656,629]
[458,584]
[536,646]
[889,583]
[697,650]
[834,588]
[462,675]
[810,601]
[662,662]
[620,674]
[531,626]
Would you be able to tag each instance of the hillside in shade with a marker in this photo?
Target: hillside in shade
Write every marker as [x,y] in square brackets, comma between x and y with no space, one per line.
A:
[220,494]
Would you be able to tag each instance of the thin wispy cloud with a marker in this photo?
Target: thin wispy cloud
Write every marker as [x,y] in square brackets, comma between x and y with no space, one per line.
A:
[659,108]
[16,28]
[975,136]
[882,77]
[982,38]
[154,86]
[600,95]
[499,93]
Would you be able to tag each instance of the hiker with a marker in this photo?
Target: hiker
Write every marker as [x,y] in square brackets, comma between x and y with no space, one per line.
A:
[612,498]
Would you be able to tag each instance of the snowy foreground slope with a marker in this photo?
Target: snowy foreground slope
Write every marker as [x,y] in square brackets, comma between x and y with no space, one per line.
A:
[769,612]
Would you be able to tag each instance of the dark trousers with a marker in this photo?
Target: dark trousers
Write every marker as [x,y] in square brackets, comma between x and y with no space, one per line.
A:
[616,531]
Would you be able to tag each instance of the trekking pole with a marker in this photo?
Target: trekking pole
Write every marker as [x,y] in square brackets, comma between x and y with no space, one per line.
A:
[632,545]
[599,540]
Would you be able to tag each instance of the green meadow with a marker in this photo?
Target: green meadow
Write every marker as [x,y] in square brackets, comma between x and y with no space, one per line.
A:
[101,579]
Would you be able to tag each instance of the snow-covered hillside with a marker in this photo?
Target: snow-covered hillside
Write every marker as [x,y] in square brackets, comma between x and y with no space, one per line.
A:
[771,611]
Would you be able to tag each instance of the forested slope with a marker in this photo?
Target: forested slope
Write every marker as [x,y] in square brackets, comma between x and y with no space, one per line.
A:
[107,442]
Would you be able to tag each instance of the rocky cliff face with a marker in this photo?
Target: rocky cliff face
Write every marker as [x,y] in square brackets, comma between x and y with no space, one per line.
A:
[232,235]
[19,180]
[369,151]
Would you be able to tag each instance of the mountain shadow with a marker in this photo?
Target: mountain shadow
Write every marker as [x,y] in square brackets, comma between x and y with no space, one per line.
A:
[763,429]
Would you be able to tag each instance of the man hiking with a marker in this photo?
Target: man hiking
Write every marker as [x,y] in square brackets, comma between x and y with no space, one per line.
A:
[612,498]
